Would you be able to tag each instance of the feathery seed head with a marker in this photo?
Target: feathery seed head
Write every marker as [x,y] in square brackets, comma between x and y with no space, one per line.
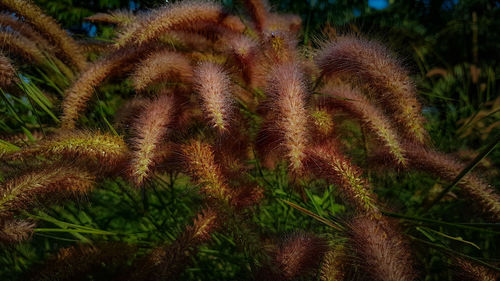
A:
[323,122]
[46,25]
[281,47]
[234,24]
[299,253]
[119,17]
[350,100]
[7,73]
[204,225]
[479,192]
[213,85]
[327,162]
[475,272]
[287,90]
[201,165]
[180,15]
[374,65]
[334,264]
[80,92]
[42,185]
[243,47]
[15,231]
[150,129]
[284,23]
[259,11]
[383,254]
[16,44]
[160,67]
[8,21]
[105,149]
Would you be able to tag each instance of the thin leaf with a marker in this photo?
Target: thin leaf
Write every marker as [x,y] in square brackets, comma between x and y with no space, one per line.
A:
[313,215]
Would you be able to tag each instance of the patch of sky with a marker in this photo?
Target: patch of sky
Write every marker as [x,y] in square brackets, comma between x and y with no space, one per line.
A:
[23,78]
[378,4]
[449,5]
[132,5]
[90,28]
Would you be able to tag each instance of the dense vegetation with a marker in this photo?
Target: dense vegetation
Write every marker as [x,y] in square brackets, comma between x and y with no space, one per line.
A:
[200,140]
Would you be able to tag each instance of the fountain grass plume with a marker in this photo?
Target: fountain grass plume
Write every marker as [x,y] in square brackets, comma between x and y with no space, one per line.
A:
[160,67]
[353,102]
[24,29]
[326,161]
[121,18]
[180,15]
[150,128]
[14,231]
[79,93]
[383,74]
[287,90]
[200,164]
[480,193]
[382,253]
[468,271]
[259,11]
[18,45]
[245,50]
[46,25]
[43,185]
[333,267]
[108,151]
[322,123]
[299,253]
[212,84]
[7,72]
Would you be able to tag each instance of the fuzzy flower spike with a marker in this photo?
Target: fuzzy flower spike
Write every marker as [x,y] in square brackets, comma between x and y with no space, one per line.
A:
[388,80]
[288,93]
[213,85]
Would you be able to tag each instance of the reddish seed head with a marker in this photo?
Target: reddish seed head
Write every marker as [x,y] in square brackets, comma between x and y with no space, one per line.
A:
[259,10]
[81,91]
[373,64]
[150,129]
[15,231]
[299,254]
[161,67]
[352,101]
[43,184]
[444,166]
[383,254]
[213,85]
[469,271]
[325,160]
[201,165]
[204,225]
[177,16]
[287,90]
[7,72]
[47,25]
[98,151]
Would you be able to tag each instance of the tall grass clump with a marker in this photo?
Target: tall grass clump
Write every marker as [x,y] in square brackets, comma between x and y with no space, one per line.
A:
[200,139]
